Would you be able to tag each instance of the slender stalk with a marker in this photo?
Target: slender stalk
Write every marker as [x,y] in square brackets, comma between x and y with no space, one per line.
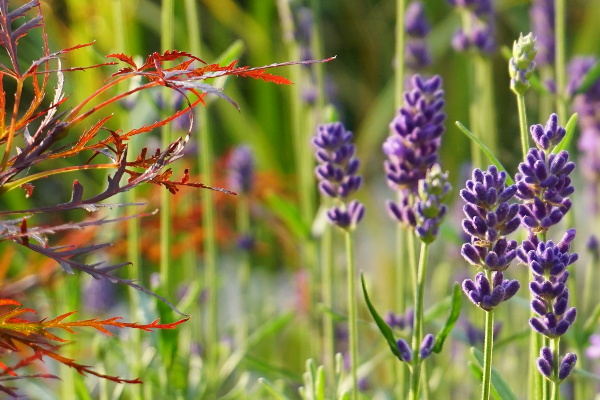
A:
[243,228]
[327,297]
[352,315]
[167,24]
[560,38]
[523,125]
[555,347]
[417,338]
[401,267]
[399,53]
[487,355]
[487,108]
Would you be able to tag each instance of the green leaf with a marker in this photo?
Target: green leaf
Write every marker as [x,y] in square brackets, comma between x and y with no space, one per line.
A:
[452,318]
[590,324]
[289,214]
[272,389]
[384,328]
[586,374]
[589,79]
[570,128]
[486,151]
[498,383]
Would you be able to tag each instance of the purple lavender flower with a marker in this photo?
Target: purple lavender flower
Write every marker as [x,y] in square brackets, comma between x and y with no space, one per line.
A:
[401,321]
[542,26]
[480,34]
[489,218]
[543,182]
[337,173]
[412,148]
[241,170]
[416,55]
[425,348]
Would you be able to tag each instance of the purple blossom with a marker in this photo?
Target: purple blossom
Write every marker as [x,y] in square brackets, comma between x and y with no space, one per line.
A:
[489,218]
[412,148]
[416,55]
[241,170]
[337,173]
[543,181]
[541,15]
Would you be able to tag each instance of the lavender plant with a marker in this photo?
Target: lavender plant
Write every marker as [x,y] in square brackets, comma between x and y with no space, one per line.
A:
[337,179]
[543,183]
[417,56]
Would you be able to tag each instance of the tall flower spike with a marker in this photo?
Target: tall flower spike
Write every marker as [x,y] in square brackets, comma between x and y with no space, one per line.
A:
[412,148]
[489,218]
[416,54]
[522,64]
[337,173]
[241,170]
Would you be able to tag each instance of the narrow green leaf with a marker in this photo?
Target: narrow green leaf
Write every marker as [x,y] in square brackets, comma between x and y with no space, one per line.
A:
[289,214]
[486,151]
[586,374]
[525,333]
[384,328]
[498,383]
[570,128]
[589,78]
[272,389]
[452,318]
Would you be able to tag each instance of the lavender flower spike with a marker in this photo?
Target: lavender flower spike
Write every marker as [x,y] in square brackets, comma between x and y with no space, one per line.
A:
[416,52]
[337,173]
[412,148]
[489,218]
[241,170]
[429,209]
[522,64]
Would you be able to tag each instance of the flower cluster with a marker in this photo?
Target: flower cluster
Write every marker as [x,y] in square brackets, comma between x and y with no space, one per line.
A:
[425,348]
[546,360]
[522,64]
[548,263]
[489,218]
[337,173]
[480,32]
[543,181]
[416,54]
[542,25]
[412,148]
[429,208]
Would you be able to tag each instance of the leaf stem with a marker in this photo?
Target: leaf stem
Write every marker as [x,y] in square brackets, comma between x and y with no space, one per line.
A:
[352,314]
[487,355]
[415,373]
[555,347]
[560,38]
[523,125]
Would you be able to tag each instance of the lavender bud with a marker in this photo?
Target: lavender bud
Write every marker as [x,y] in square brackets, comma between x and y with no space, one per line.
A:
[405,350]
[522,64]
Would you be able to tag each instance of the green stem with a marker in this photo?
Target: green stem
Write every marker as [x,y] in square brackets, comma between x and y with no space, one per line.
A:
[487,355]
[560,38]
[327,294]
[555,347]
[523,125]
[487,109]
[417,337]
[243,228]
[399,56]
[352,315]
[167,23]
[401,287]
